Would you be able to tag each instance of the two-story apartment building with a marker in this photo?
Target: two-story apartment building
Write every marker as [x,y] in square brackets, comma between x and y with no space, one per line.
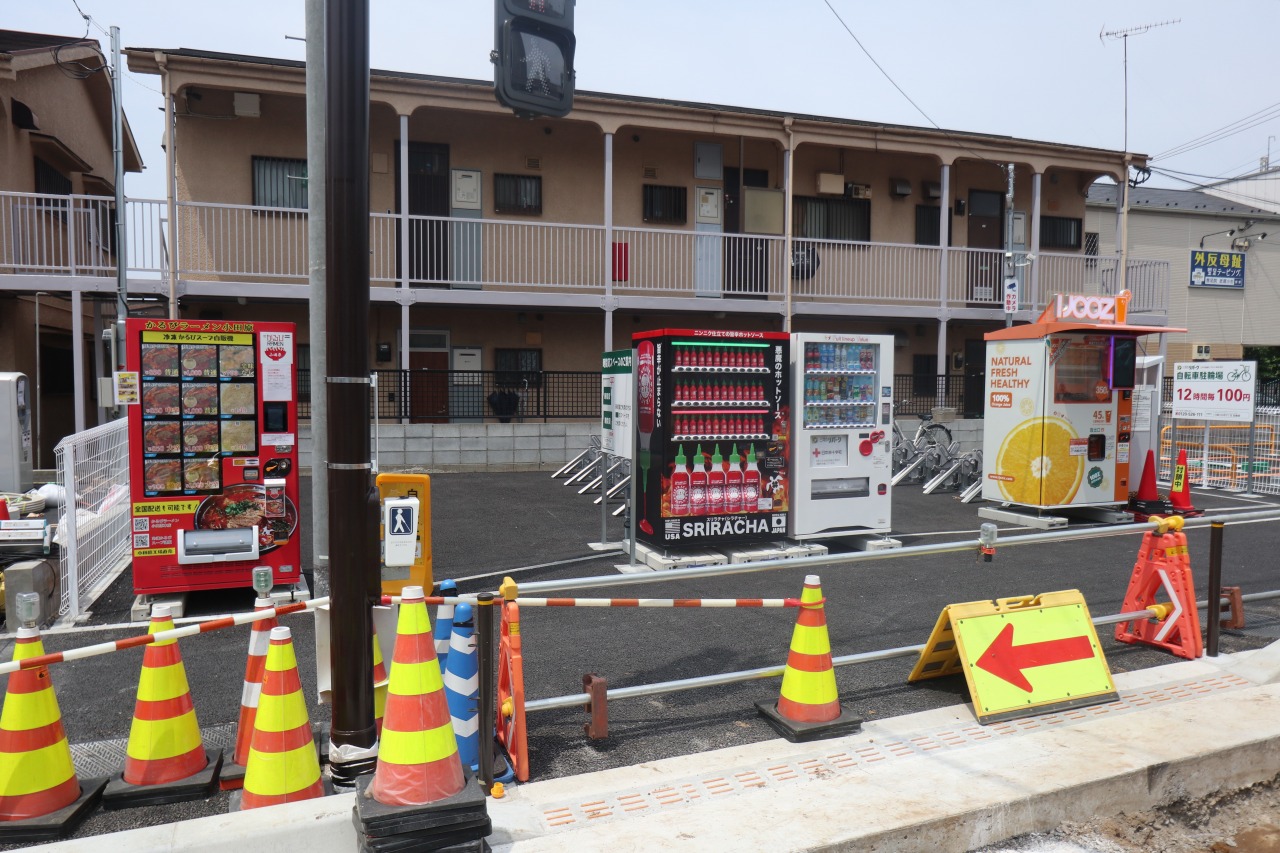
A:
[56,219]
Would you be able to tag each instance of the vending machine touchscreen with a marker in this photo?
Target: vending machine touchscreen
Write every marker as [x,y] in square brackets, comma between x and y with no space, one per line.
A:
[213,454]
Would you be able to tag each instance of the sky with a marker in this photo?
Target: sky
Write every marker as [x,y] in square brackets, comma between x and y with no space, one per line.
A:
[1031,69]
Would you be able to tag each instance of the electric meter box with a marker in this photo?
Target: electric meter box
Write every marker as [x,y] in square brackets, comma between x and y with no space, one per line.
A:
[15,433]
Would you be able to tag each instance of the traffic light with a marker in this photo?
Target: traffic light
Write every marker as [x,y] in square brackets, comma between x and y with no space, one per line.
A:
[533,56]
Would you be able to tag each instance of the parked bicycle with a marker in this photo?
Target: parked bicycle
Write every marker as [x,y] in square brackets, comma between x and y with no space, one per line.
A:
[928,435]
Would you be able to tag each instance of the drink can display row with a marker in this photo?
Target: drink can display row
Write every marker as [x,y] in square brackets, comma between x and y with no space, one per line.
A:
[722,357]
[719,390]
[819,357]
[856,389]
[839,416]
[721,424]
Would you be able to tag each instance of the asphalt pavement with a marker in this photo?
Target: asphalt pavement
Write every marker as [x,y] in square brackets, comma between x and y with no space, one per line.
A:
[536,529]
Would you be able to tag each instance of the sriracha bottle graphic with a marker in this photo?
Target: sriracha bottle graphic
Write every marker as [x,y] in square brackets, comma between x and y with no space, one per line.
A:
[733,483]
[680,484]
[698,484]
[751,482]
[716,483]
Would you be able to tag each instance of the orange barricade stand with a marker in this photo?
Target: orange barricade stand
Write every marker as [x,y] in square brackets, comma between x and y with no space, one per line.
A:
[511,730]
[1163,564]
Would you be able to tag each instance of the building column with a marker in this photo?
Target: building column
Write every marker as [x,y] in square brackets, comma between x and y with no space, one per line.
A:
[77,357]
[402,391]
[608,242]
[944,283]
[788,257]
[942,361]
[1033,298]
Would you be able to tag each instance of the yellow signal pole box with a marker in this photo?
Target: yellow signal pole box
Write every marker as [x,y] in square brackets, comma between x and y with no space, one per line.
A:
[418,573]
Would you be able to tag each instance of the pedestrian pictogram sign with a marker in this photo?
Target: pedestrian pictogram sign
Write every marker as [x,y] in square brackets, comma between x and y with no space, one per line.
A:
[1020,656]
[405,531]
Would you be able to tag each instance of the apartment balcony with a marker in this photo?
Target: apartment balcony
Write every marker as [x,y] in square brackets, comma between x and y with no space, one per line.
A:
[239,250]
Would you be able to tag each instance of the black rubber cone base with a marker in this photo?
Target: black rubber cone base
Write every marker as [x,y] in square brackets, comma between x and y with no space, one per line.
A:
[795,732]
[1143,510]
[231,777]
[198,786]
[57,824]
[458,823]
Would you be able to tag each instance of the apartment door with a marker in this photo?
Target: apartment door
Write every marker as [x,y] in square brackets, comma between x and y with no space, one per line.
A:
[746,259]
[429,386]
[986,231]
[428,196]
[975,377]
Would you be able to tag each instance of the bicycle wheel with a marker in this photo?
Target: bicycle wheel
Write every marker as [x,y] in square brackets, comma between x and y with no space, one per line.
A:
[936,435]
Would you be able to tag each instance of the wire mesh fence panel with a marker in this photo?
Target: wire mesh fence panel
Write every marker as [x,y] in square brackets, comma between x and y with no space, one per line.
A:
[917,394]
[94,532]
[1224,455]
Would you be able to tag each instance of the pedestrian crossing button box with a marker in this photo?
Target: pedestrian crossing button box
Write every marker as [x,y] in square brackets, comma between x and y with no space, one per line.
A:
[400,526]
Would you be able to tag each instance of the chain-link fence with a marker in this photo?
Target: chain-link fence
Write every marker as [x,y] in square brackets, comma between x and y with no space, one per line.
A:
[93,522]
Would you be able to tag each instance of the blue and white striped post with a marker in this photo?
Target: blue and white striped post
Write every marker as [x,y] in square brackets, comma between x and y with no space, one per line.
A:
[444,621]
[462,687]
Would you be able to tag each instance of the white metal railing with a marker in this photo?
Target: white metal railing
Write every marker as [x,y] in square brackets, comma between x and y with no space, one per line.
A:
[71,234]
[93,522]
[1221,455]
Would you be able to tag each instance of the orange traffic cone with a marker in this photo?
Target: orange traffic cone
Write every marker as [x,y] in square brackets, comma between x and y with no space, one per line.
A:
[419,797]
[4,510]
[379,684]
[283,766]
[1180,494]
[40,796]
[1148,502]
[165,761]
[809,707]
[418,754]
[259,638]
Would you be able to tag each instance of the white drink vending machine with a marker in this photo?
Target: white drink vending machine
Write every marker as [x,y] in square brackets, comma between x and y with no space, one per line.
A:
[843,428]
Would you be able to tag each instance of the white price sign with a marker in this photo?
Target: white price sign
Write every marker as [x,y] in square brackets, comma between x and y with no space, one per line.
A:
[1214,390]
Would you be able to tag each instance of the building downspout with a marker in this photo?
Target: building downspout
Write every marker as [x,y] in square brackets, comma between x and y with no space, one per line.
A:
[171,182]
[788,157]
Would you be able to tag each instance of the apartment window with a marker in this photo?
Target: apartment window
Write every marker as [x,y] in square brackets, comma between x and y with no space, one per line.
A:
[1060,232]
[517,368]
[833,218]
[928,226]
[667,205]
[50,181]
[279,182]
[924,375]
[519,194]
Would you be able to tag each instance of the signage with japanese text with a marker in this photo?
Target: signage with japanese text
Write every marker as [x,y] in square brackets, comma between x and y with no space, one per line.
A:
[1217,269]
[1214,390]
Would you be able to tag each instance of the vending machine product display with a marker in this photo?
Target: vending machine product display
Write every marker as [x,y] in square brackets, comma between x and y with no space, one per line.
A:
[713,436]
[1059,406]
[213,454]
[842,434]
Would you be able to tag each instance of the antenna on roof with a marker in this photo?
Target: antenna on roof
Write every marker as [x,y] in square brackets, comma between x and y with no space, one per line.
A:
[1123,35]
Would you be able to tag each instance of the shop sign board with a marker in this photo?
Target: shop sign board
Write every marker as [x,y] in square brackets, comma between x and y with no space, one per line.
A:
[1214,390]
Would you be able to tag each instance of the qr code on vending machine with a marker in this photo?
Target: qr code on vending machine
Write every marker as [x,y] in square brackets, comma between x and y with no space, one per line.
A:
[142,540]
[141,525]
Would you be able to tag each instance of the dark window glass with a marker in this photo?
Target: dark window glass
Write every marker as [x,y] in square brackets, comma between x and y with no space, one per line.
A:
[928,228]
[1060,232]
[833,218]
[50,180]
[521,194]
[279,182]
[667,205]
[924,375]
[517,368]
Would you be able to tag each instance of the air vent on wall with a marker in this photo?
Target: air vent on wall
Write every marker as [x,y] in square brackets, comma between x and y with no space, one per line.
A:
[246,104]
[651,172]
[533,162]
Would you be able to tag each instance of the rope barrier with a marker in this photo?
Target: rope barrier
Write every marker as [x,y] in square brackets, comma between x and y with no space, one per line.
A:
[147,639]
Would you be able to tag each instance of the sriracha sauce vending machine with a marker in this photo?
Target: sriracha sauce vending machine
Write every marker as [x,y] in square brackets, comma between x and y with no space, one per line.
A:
[213,454]
[713,436]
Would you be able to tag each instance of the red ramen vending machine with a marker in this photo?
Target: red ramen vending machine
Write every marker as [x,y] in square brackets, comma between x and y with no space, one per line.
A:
[213,453]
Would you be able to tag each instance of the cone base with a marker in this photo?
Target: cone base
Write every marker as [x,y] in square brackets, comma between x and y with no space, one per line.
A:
[58,824]
[795,732]
[231,777]
[396,844]
[198,786]
[464,812]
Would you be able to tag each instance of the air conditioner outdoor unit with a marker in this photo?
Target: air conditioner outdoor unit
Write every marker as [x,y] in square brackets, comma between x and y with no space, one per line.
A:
[830,183]
[1202,352]
[857,190]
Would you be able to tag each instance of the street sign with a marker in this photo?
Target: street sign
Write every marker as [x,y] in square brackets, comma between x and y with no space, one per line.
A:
[400,527]
[615,403]
[1020,656]
[1214,390]
[1010,295]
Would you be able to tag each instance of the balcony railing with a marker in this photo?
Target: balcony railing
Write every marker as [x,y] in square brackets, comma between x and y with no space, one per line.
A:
[226,242]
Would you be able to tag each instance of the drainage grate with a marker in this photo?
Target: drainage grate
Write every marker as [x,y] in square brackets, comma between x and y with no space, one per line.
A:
[106,757]
[700,788]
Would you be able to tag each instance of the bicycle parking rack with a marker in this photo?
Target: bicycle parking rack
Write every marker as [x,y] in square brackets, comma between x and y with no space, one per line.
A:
[961,474]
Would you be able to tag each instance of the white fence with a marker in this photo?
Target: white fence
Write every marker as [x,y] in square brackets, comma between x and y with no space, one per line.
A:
[1235,456]
[93,523]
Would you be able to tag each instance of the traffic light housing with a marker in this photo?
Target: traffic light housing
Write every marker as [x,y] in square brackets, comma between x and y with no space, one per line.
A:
[533,47]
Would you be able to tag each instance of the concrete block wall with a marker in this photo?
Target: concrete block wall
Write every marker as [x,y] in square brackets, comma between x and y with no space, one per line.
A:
[473,447]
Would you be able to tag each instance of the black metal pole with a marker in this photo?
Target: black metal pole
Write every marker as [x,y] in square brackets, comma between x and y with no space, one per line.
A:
[484,673]
[1215,587]
[353,502]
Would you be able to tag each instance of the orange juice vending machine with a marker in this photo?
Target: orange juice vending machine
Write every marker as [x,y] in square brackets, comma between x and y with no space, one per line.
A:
[843,423]
[213,453]
[1059,406]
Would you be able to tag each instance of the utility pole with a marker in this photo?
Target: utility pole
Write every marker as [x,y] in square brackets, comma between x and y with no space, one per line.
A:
[1123,240]
[316,270]
[1010,269]
[353,502]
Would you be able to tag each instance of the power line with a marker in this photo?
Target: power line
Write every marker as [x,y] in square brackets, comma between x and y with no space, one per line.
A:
[1250,121]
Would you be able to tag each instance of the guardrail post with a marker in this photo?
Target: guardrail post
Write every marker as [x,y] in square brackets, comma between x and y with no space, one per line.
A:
[484,672]
[1215,587]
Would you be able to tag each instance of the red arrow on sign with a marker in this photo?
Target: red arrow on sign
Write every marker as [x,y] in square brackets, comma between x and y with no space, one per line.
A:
[1005,660]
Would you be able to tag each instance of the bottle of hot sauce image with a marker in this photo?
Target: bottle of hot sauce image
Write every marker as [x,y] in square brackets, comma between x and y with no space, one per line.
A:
[733,483]
[698,484]
[751,482]
[716,483]
[645,379]
[680,484]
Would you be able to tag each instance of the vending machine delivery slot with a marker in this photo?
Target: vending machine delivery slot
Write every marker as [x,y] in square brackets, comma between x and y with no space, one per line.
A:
[217,546]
